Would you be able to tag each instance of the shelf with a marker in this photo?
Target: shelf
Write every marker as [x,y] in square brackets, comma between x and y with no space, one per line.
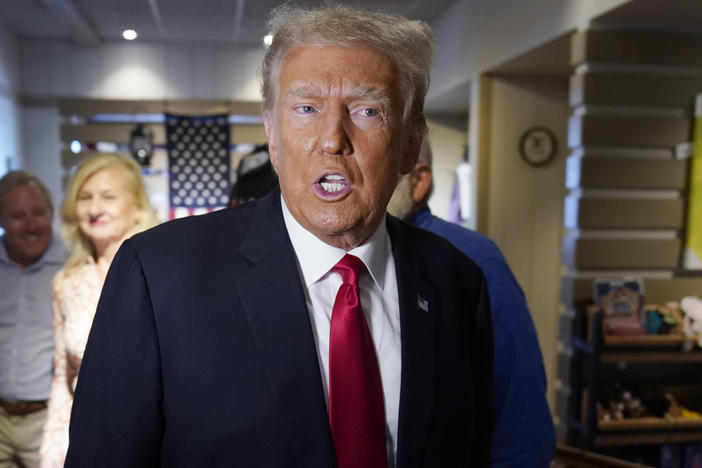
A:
[634,424]
[648,431]
[649,423]
[650,349]
[610,440]
[676,338]
[570,456]
[600,358]
[644,340]
[681,423]
[609,357]
[631,439]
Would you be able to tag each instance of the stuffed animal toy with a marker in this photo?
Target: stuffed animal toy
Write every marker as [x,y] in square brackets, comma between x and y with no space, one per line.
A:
[692,322]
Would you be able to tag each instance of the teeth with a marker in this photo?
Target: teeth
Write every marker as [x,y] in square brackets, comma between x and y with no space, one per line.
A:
[331,187]
[332,183]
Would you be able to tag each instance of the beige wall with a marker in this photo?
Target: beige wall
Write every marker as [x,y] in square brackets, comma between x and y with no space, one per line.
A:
[447,145]
[524,213]
[476,35]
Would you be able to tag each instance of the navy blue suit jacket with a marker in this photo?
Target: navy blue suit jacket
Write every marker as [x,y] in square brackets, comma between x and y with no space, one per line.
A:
[201,352]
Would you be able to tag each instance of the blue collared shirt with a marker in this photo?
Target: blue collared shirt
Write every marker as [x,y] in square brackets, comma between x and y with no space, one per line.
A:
[523,434]
[26,324]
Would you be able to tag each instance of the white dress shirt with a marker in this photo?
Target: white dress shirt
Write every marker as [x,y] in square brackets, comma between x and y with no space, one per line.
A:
[379,301]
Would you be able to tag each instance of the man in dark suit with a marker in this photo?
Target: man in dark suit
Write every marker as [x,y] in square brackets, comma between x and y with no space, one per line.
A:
[307,329]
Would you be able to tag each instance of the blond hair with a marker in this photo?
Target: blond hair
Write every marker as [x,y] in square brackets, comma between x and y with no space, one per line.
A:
[408,44]
[81,246]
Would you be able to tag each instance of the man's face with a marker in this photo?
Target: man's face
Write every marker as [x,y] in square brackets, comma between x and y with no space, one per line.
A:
[337,140]
[26,217]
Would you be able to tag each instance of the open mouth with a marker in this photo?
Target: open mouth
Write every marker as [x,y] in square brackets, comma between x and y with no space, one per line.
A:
[31,238]
[332,183]
[332,186]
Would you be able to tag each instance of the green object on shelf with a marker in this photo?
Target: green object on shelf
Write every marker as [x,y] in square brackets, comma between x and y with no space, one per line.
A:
[669,318]
[653,322]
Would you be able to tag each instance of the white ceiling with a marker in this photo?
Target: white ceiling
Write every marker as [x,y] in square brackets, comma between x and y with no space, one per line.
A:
[236,21]
[242,22]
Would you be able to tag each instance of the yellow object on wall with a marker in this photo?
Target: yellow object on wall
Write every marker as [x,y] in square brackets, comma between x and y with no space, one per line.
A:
[692,259]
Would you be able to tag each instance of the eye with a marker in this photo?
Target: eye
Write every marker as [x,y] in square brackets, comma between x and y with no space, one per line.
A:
[305,109]
[367,117]
[366,112]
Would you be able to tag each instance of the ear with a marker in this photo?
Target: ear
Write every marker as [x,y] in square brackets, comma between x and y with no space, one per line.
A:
[409,158]
[139,214]
[422,179]
[269,125]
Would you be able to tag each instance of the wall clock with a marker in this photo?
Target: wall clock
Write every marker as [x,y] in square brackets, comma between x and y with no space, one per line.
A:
[537,146]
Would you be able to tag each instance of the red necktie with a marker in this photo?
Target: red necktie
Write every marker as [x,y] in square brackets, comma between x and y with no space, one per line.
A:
[356,408]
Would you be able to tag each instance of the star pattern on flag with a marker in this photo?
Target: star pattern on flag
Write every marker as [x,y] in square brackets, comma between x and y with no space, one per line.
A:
[198,162]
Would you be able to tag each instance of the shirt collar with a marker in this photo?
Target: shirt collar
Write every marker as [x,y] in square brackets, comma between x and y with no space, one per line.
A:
[316,258]
[421,216]
[54,253]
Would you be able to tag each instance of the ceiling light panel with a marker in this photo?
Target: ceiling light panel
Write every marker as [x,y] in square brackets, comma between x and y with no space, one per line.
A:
[111,17]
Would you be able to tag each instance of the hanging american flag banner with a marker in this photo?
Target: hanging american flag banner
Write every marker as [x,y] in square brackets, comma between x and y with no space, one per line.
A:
[198,164]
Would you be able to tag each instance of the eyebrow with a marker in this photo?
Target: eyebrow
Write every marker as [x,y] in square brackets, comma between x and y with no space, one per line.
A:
[359,92]
[98,192]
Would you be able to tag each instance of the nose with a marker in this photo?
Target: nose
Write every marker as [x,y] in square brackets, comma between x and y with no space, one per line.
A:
[334,139]
[31,222]
[94,207]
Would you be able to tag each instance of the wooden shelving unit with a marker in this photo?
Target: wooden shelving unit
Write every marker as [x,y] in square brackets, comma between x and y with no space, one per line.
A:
[597,358]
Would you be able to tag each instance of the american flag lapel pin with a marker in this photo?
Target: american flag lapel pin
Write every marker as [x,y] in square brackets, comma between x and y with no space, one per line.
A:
[422,303]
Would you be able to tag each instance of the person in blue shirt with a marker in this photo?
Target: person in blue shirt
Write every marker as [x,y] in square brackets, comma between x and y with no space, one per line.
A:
[523,434]
[30,255]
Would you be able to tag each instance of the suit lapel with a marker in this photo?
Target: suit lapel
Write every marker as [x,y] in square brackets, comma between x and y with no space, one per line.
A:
[274,303]
[418,310]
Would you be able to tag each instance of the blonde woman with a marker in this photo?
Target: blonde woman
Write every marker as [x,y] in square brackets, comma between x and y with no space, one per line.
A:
[105,204]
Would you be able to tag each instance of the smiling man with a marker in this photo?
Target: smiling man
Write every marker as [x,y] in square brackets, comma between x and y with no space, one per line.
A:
[306,329]
[29,258]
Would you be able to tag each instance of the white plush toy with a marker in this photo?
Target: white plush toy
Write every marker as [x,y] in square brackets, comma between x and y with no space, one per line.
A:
[692,322]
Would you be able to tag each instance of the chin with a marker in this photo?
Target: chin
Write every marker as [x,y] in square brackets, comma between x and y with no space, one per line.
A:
[331,220]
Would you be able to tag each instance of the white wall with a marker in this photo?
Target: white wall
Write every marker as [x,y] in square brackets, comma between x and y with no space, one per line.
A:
[41,146]
[51,69]
[136,70]
[10,146]
[475,35]
[447,145]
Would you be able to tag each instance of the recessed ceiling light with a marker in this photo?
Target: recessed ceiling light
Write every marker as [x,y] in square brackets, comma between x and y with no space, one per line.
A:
[129,34]
[76,147]
[268,40]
